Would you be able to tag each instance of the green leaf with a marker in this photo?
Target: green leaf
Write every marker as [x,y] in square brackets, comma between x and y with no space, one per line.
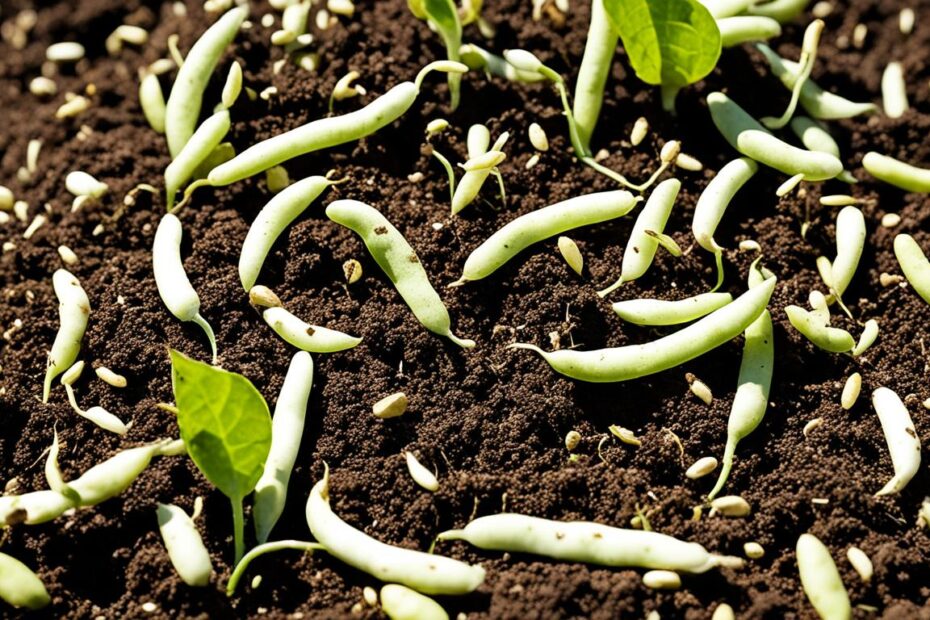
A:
[224,422]
[444,15]
[669,42]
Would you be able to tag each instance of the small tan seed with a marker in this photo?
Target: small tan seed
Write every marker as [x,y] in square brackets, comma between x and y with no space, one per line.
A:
[420,474]
[43,87]
[890,220]
[68,257]
[906,20]
[370,596]
[670,151]
[390,406]
[352,270]
[538,138]
[625,435]
[572,439]
[263,297]
[662,580]
[887,279]
[700,389]
[812,425]
[851,391]
[640,129]
[70,376]
[701,467]
[687,162]
[860,562]
[67,51]
[108,376]
[7,200]
[572,255]
[532,161]
[723,612]
[731,506]
[753,550]
[437,125]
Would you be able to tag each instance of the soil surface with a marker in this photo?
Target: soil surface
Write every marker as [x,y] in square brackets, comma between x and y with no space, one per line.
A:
[492,420]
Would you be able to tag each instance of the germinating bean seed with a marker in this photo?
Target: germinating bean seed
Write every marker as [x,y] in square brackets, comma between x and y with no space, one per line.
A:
[641,247]
[541,224]
[867,339]
[897,173]
[753,550]
[98,415]
[477,171]
[186,550]
[311,338]
[196,149]
[689,163]
[259,550]
[809,48]
[662,580]
[73,312]
[478,58]
[171,280]
[82,184]
[901,437]
[66,51]
[701,467]
[730,506]
[745,28]
[286,431]
[6,198]
[186,98]
[750,138]
[811,426]
[19,586]
[821,580]
[699,389]
[890,220]
[424,572]
[812,327]
[538,138]
[851,390]
[860,563]
[327,132]
[640,129]
[894,90]
[271,221]
[108,376]
[420,474]
[837,200]
[662,312]
[633,361]
[723,612]
[914,264]
[592,543]
[572,439]
[401,603]
[399,262]
[818,102]
[390,406]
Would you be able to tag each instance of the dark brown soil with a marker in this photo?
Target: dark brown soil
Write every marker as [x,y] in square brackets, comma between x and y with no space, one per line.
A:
[491,420]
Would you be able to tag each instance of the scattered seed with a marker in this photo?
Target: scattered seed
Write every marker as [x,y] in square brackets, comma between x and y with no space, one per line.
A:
[370,596]
[6,198]
[670,151]
[282,37]
[890,220]
[701,467]
[263,297]
[699,389]
[267,20]
[70,376]
[538,138]
[730,506]
[901,437]
[267,93]
[753,550]
[860,562]
[125,34]
[149,607]
[422,476]
[572,439]
[860,32]
[67,51]
[723,612]
[43,87]
[341,7]
[256,581]
[662,580]
[436,126]
[887,279]
[851,391]
[21,210]
[906,20]
[838,200]
[926,404]
[822,9]
[82,184]
[867,338]
[416,177]
[687,162]
[532,161]
[108,376]
[390,406]
[813,424]
[640,129]
[572,255]
[68,257]
[277,179]
[37,222]
[73,107]
[625,435]
[601,155]
[788,186]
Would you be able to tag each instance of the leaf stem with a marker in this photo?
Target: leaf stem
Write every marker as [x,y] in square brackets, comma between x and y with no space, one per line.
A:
[238,527]
[277,545]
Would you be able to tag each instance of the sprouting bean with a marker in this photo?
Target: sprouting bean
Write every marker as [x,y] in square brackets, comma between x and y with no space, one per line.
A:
[901,437]
[186,550]
[730,506]
[713,203]
[867,339]
[198,147]
[477,171]
[286,431]
[838,200]
[809,48]
[370,596]
[723,612]
[745,28]
[753,550]
[851,390]
[894,91]
[259,550]
[860,563]
[701,467]
[641,247]
[152,101]
[399,262]
[19,586]
[420,474]
[572,439]
[98,415]
[66,51]
[662,580]
[815,137]
[80,183]
[633,361]
[171,279]
[302,335]
[818,102]
[73,312]
[821,580]
[424,572]
[271,221]
[592,543]
[750,138]
[850,241]
[700,389]
[897,173]
[662,312]
[914,264]
[813,328]
[753,385]
[476,57]
[109,377]
[541,224]
[326,132]
[401,603]
[640,129]
[186,98]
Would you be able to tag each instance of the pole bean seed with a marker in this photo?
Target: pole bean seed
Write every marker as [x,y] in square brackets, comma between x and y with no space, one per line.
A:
[662,312]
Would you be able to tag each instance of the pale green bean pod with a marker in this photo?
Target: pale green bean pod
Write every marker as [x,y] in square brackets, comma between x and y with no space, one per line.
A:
[302,335]
[821,580]
[639,360]
[901,437]
[850,241]
[750,138]
[542,224]
[401,603]
[818,102]
[73,313]
[815,137]
[897,173]
[781,10]
[286,431]
[746,28]
[914,264]
[271,221]
[478,58]
[399,262]
[813,328]
[19,586]
[186,550]
[152,102]
[601,43]
[720,9]
[585,541]
[197,148]
[662,312]
[186,98]
[424,572]
[641,246]
[326,132]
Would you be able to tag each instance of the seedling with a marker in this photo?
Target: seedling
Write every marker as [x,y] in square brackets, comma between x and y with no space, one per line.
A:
[73,313]
[420,474]
[808,58]
[867,338]
[477,169]
[259,550]
[901,436]
[443,18]
[571,541]
[476,57]
[424,572]
[80,183]
[814,328]
[662,580]
[815,137]
[850,241]
[226,425]
[186,550]
[821,580]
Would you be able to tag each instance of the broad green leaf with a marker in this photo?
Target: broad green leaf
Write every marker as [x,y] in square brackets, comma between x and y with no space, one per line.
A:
[444,15]
[224,422]
[669,42]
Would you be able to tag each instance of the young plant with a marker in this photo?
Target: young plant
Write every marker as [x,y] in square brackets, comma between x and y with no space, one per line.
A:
[815,328]
[443,17]
[226,426]
[477,169]
[808,58]
[850,242]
